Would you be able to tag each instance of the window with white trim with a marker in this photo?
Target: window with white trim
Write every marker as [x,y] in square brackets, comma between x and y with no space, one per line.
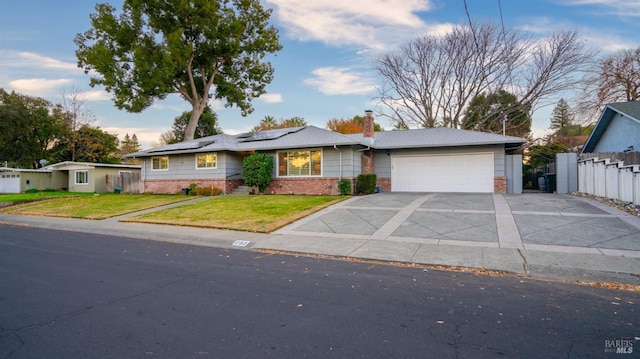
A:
[206,160]
[82,177]
[160,163]
[300,163]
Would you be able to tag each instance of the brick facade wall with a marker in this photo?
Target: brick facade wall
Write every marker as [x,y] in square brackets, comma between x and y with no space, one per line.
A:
[385,183]
[500,185]
[304,185]
[176,186]
[367,162]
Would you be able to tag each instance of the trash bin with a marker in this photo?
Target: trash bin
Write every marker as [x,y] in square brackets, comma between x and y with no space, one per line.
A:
[185,191]
[542,183]
[535,181]
[550,182]
[117,189]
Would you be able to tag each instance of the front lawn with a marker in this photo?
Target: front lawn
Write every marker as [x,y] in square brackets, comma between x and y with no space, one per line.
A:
[37,196]
[263,213]
[93,206]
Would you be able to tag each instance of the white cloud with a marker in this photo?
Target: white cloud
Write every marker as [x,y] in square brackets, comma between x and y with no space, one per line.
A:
[604,39]
[216,104]
[340,81]
[95,95]
[38,86]
[271,98]
[627,8]
[377,24]
[25,59]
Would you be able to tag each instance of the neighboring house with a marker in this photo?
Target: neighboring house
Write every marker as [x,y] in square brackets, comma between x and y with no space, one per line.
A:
[617,130]
[71,176]
[311,160]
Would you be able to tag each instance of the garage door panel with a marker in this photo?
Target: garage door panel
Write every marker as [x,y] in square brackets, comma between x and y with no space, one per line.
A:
[10,183]
[472,172]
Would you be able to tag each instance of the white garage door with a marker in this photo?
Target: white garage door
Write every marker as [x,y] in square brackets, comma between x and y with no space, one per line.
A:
[10,183]
[470,172]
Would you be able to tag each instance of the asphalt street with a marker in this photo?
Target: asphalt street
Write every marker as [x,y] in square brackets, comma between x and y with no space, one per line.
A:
[72,294]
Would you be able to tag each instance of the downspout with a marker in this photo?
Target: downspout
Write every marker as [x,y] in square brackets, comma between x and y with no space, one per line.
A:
[340,152]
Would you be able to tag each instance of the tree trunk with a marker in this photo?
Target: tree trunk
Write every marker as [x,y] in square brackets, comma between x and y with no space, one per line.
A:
[190,130]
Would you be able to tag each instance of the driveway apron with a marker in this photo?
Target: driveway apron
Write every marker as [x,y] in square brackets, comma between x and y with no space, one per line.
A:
[537,221]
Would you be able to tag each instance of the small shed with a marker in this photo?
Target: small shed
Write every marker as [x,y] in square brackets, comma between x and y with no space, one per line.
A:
[71,176]
[90,177]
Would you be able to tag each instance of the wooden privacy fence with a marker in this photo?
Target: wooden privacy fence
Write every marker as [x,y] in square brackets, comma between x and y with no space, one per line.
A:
[610,179]
[128,182]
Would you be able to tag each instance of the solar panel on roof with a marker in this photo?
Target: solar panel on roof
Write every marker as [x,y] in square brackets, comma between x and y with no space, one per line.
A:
[190,145]
[266,135]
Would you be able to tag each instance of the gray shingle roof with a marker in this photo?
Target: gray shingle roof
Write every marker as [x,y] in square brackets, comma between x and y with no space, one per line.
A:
[438,137]
[311,136]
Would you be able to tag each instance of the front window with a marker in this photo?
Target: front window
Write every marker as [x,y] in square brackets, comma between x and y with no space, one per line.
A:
[82,177]
[160,163]
[300,163]
[207,160]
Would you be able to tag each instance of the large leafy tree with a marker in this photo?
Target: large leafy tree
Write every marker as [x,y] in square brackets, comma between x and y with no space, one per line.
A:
[29,126]
[489,113]
[197,48]
[431,80]
[92,145]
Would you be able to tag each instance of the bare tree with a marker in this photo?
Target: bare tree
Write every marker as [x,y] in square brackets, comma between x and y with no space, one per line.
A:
[431,80]
[77,115]
[615,79]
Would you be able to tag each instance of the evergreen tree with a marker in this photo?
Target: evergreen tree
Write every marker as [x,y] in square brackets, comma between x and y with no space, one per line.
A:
[270,123]
[486,113]
[562,118]
[129,144]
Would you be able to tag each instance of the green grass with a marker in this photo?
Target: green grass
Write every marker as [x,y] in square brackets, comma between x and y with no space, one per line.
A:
[264,213]
[36,196]
[93,206]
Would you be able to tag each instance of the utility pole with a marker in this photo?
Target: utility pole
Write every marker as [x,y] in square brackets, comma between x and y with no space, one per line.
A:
[504,123]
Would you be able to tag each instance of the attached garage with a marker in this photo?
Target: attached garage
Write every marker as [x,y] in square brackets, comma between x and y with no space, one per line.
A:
[468,172]
[10,183]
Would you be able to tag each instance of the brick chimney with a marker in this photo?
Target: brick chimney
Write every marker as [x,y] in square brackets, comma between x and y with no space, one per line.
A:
[368,124]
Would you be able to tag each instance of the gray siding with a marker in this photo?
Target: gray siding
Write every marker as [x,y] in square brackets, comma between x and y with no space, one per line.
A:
[184,167]
[332,161]
[621,133]
[382,159]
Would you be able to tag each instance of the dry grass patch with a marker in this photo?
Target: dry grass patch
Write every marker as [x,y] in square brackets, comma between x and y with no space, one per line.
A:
[99,206]
[263,214]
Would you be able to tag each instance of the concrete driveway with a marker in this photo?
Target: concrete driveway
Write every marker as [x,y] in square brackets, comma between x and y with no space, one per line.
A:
[530,221]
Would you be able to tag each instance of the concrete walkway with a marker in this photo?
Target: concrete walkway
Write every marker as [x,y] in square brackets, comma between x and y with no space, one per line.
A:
[541,235]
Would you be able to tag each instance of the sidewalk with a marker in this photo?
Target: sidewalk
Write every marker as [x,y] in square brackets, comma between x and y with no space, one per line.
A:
[517,234]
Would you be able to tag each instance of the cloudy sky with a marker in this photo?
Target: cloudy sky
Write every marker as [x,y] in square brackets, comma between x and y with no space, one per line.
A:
[325,68]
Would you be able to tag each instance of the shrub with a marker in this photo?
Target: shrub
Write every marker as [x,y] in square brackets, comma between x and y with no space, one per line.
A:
[207,191]
[35,190]
[344,187]
[257,170]
[366,183]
